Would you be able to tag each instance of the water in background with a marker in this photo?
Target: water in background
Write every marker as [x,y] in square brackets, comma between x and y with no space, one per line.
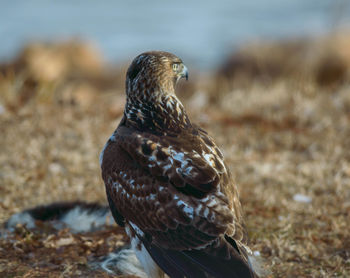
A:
[202,32]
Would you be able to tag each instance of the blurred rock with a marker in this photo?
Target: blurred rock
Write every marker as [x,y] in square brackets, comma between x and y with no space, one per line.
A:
[266,60]
[326,61]
[70,72]
[43,62]
[51,62]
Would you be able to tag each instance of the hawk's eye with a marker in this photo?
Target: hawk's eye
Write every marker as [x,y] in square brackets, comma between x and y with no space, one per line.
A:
[176,67]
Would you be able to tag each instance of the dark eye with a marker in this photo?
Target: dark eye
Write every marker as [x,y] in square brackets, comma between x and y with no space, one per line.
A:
[176,67]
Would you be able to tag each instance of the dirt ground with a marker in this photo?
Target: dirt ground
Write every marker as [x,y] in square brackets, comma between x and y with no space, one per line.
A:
[279,111]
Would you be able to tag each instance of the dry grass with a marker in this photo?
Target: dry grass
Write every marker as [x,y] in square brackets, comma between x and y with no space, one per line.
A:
[281,137]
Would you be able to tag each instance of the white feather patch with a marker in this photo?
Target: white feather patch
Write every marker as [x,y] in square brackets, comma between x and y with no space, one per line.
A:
[123,262]
[80,220]
[23,218]
[148,264]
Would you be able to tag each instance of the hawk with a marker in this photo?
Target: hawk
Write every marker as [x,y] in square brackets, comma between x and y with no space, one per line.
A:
[167,182]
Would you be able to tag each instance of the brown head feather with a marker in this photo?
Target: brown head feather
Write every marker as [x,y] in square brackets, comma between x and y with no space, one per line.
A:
[150,88]
[153,73]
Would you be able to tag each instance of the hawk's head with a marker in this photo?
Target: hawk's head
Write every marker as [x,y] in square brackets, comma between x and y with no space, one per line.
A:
[150,88]
[154,72]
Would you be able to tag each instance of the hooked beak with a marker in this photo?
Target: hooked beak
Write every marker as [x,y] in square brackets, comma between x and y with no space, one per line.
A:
[184,73]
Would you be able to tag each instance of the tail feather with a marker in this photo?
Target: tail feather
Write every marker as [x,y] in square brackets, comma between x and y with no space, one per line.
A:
[174,263]
[235,267]
[198,263]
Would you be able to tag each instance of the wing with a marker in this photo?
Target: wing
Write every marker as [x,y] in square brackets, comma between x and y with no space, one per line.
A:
[173,192]
[155,206]
[190,161]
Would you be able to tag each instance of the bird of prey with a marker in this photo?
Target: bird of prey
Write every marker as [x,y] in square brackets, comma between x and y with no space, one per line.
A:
[167,182]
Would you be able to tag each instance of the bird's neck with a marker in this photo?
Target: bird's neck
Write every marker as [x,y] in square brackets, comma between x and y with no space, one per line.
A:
[160,113]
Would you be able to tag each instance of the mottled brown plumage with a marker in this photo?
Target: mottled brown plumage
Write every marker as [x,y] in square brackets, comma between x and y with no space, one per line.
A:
[167,182]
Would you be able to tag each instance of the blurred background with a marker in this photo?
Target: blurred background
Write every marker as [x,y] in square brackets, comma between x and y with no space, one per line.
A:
[203,32]
[269,80]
